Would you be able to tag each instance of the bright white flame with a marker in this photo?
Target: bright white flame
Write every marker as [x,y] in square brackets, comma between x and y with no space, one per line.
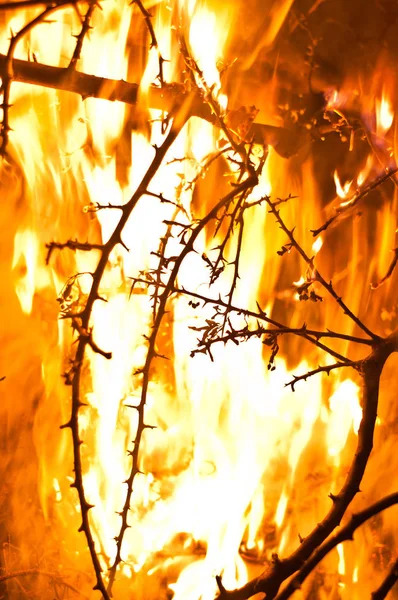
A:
[340,551]
[345,413]
[317,245]
[384,115]
[281,509]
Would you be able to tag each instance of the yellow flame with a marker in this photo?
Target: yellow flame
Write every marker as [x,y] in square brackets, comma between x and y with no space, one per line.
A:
[384,114]
[341,190]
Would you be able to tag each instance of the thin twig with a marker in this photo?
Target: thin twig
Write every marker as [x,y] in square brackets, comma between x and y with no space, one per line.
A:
[324,369]
[353,201]
[316,276]
[8,75]
[72,245]
[83,32]
[390,271]
[29,572]
[310,335]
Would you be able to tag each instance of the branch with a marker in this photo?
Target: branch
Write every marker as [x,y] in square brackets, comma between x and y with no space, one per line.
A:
[169,97]
[310,335]
[73,376]
[324,369]
[345,533]
[84,31]
[390,271]
[269,582]
[353,201]
[53,576]
[316,276]
[30,3]
[7,72]
[72,245]
[151,354]
[388,583]
[154,42]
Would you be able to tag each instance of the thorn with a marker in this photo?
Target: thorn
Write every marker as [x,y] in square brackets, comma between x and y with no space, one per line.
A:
[275,558]
[123,244]
[66,425]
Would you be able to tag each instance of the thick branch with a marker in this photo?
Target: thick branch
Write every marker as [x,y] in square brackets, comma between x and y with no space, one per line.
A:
[270,581]
[167,98]
[344,534]
[387,584]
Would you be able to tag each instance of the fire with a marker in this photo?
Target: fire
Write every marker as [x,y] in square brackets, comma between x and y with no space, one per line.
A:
[384,115]
[341,190]
[228,468]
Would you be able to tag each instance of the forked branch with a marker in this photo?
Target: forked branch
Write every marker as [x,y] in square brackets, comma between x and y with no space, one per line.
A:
[270,581]
[344,533]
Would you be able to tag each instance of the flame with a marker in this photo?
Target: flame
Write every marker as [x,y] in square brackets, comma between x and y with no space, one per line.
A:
[345,414]
[226,459]
[341,190]
[384,115]
[341,567]
[317,245]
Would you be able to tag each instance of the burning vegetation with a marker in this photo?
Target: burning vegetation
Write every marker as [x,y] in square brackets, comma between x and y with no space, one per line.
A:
[199,318]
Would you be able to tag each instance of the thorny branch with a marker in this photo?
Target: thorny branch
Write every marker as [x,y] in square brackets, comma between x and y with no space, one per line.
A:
[72,245]
[73,377]
[154,42]
[345,533]
[29,4]
[83,32]
[167,98]
[152,354]
[388,583]
[279,570]
[350,203]
[324,369]
[8,74]
[315,275]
